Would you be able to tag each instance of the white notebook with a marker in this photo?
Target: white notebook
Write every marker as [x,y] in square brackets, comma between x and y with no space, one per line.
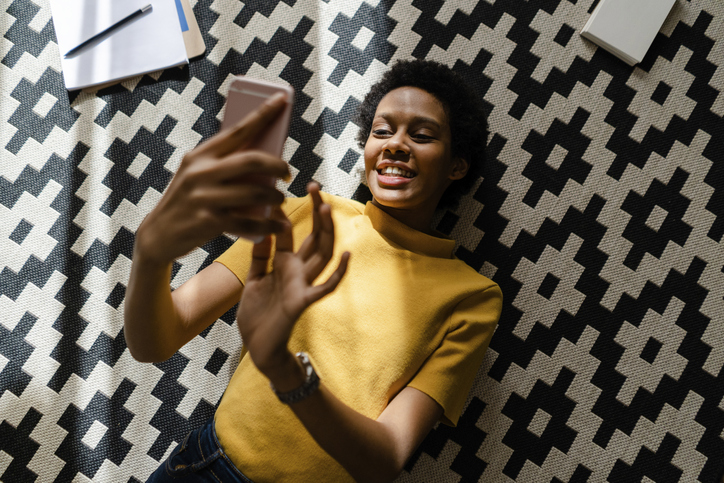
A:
[149,43]
[626,28]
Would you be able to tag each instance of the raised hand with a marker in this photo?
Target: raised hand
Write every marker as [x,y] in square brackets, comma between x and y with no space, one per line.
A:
[218,188]
[273,301]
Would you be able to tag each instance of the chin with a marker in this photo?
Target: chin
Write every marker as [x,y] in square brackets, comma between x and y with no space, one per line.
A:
[397,202]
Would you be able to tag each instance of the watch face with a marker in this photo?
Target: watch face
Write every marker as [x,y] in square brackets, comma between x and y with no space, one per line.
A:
[308,369]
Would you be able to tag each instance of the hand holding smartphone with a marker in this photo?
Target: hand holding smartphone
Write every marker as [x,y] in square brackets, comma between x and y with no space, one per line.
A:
[245,96]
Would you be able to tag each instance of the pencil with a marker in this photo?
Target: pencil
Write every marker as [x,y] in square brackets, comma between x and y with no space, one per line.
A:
[110,29]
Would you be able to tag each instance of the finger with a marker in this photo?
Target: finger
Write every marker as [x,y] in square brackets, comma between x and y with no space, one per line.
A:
[324,248]
[319,291]
[308,246]
[239,196]
[310,243]
[313,190]
[250,167]
[245,227]
[260,258]
[285,239]
[245,131]
[259,212]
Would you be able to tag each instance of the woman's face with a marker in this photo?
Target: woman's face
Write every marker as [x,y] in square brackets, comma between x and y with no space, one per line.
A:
[408,159]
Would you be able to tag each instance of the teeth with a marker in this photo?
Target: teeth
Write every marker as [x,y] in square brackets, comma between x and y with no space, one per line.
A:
[395,171]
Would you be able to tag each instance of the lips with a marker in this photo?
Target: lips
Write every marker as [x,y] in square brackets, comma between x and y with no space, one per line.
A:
[396,171]
[393,175]
[394,168]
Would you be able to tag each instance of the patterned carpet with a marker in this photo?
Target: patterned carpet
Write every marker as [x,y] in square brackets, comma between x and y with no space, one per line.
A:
[600,214]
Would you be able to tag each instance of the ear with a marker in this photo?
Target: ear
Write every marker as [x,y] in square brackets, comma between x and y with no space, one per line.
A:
[459,169]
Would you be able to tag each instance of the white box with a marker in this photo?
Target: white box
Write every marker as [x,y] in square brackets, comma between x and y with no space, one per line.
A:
[626,28]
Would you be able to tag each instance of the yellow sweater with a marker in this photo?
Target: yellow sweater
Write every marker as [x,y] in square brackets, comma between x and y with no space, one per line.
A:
[407,313]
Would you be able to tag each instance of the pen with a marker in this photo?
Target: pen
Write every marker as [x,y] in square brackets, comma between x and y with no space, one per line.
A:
[110,29]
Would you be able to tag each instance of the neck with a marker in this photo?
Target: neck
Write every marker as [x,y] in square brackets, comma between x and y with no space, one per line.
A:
[418,219]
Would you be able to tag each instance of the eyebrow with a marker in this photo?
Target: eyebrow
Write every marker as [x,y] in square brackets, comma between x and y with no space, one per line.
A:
[425,119]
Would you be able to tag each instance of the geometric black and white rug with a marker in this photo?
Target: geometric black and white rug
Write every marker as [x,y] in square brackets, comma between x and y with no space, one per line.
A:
[600,214]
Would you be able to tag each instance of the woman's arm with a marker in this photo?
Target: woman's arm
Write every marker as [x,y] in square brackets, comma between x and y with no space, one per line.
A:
[159,322]
[212,192]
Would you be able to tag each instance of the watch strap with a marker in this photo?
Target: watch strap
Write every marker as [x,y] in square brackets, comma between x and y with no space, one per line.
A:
[310,385]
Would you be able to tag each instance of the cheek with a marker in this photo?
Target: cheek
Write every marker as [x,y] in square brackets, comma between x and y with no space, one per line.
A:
[438,160]
[370,156]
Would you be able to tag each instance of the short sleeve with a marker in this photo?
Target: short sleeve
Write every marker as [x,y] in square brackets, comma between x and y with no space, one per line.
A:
[448,374]
[238,257]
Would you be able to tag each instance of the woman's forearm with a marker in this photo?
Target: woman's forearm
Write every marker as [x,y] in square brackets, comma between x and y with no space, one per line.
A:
[361,445]
[370,450]
[150,316]
[159,322]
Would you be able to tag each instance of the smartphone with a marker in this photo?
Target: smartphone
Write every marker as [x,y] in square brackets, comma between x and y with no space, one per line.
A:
[247,94]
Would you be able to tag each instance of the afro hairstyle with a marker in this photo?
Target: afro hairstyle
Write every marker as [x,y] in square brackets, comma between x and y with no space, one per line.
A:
[467,119]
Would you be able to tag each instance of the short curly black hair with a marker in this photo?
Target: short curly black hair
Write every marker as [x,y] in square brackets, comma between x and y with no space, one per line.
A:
[467,119]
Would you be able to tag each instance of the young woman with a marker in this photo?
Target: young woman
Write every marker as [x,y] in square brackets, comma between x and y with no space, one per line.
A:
[388,327]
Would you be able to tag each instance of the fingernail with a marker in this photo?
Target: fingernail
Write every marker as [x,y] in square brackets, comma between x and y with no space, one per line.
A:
[276,100]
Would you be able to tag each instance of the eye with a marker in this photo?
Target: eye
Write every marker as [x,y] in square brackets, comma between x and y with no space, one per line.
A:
[422,137]
[381,132]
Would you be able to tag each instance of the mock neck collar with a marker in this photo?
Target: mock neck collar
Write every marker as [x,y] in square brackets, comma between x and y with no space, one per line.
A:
[409,238]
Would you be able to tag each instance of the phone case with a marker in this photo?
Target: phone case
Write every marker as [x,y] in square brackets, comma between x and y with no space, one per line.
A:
[245,95]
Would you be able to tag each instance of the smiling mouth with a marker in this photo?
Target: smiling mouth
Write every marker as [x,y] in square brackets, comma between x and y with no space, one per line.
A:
[395,171]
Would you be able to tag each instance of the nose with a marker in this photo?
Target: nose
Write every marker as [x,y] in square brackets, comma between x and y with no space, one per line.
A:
[396,144]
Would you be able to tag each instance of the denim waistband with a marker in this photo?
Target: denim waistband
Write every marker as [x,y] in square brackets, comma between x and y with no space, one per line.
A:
[199,458]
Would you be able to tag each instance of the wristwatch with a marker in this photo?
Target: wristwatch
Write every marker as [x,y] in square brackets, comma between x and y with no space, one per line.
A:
[311,383]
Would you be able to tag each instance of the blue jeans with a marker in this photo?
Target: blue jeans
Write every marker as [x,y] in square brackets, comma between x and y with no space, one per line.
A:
[199,458]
